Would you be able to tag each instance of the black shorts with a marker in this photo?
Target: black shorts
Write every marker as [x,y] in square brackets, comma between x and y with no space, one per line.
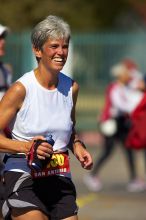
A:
[54,195]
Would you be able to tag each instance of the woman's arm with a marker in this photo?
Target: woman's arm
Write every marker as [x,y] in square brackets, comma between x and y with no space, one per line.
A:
[9,106]
[77,146]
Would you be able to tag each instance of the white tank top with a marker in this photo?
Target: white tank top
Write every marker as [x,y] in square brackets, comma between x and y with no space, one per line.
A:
[45,112]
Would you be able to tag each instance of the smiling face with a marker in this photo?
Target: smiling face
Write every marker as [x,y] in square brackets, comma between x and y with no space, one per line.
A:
[53,54]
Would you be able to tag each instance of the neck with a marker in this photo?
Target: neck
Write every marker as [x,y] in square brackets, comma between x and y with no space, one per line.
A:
[47,80]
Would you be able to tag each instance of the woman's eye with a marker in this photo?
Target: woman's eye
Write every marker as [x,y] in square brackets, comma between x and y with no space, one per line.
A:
[54,46]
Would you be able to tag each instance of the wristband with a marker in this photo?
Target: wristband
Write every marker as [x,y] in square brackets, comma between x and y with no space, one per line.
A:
[79,141]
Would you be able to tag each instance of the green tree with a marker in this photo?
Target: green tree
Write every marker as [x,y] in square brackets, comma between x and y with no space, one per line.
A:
[83,15]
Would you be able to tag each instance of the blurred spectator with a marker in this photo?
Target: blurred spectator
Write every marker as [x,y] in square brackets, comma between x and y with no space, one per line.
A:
[136,75]
[5,69]
[5,73]
[136,138]
[141,84]
[121,98]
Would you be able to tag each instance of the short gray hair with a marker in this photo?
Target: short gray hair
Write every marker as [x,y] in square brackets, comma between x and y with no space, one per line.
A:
[52,27]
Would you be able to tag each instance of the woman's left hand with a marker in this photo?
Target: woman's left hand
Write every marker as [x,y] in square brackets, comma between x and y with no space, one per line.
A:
[83,156]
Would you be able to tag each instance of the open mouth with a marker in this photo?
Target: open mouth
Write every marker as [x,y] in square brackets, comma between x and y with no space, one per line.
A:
[58,60]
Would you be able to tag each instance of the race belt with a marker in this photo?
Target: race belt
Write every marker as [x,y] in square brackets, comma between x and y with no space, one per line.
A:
[58,165]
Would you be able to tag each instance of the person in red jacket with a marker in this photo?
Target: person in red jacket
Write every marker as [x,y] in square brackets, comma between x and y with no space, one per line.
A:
[120,99]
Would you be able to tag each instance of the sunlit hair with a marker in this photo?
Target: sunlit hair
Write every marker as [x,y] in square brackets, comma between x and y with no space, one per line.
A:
[52,27]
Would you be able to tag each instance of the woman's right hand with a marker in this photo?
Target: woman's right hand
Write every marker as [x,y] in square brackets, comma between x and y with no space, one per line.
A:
[44,149]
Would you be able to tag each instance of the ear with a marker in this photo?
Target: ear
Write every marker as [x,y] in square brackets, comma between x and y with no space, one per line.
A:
[37,52]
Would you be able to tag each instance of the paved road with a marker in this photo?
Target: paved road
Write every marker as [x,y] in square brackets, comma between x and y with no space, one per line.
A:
[113,202]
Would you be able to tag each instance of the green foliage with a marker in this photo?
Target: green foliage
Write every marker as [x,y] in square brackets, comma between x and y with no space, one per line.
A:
[83,15]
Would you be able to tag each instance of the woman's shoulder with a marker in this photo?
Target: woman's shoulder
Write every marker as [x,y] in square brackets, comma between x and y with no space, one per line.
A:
[26,79]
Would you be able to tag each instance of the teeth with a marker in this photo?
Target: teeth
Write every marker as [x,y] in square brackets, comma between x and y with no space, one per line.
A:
[58,59]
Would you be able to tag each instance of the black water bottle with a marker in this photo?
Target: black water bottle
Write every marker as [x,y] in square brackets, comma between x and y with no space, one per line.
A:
[36,163]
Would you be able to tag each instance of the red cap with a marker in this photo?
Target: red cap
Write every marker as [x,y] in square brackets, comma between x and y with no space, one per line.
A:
[130,64]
